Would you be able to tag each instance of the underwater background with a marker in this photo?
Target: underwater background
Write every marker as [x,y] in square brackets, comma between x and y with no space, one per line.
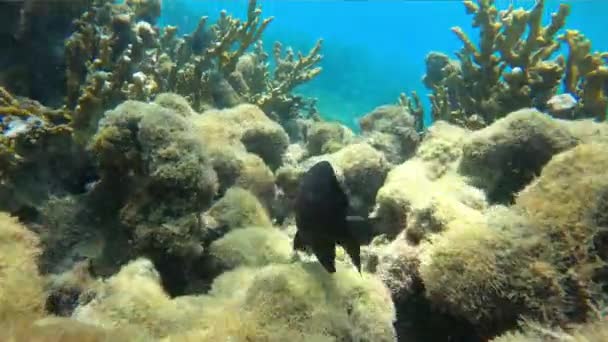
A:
[411,171]
[374,49]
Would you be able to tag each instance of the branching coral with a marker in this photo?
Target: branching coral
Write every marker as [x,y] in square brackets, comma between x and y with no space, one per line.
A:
[586,76]
[112,57]
[273,93]
[510,69]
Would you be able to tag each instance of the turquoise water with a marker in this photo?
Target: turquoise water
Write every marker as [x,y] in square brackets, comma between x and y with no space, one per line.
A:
[373,50]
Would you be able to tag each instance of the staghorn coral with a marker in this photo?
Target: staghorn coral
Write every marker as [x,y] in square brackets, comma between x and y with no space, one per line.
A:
[113,56]
[272,91]
[586,76]
[510,69]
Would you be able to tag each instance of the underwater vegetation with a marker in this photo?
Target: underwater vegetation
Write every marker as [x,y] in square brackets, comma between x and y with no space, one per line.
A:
[167,186]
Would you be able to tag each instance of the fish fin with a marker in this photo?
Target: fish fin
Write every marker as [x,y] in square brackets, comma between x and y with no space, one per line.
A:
[298,243]
[354,252]
[326,254]
[361,229]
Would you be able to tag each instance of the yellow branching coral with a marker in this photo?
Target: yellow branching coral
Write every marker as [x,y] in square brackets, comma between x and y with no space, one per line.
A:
[114,56]
[272,91]
[509,70]
[229,30]
[586,75]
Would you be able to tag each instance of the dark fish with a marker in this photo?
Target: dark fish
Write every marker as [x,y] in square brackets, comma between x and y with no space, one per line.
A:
[321,218]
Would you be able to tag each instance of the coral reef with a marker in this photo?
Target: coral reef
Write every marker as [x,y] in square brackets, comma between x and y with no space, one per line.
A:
[156,205]
[158,178]
[576,226]
[243,126]
[512,67]
[53,329]
[244,146]
[449,251]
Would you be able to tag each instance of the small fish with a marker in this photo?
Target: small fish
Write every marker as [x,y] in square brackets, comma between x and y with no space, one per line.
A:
[321,218]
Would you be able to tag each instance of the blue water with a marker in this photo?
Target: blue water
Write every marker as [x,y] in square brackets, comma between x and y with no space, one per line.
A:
[373,50]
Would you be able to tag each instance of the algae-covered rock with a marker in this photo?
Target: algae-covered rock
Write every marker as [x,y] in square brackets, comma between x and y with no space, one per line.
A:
[595,330]
[134,299]
[176,103]
[422,195]
[155,150]
[569,203]
[236,167]
[489,273]
[364,170]
[243,126]
[504,157]
[158,179]
[21,286]
[587,130]
[327,137]
[397,267]
[298,302]
[252,246]
[360,169]
[392,130]
[239,208]
[53,329]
